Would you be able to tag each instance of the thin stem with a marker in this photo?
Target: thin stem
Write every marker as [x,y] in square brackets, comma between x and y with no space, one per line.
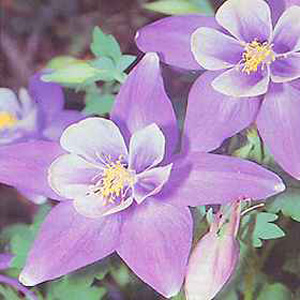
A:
[14,283]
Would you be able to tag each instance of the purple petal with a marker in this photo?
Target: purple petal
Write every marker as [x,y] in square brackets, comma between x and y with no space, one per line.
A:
[155,243]
[286,37]
[68,241]
[171,38]
[278,123]
[286,69]
[5,260]
[203,178]
[150,182]
[140,98]
[277,8]
[246,20]
[146,148]
[49,96]
[236,83]
[25,166]
[95,139]
[70,175]
[289,3]
[212,117]
[227,53]
[60,122]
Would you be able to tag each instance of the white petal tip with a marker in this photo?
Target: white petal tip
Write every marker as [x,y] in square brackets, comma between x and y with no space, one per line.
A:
[137,35]
[26,280]
[280,187]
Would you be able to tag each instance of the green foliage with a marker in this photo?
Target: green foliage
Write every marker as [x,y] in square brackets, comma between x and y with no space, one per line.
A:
[274,291]
[21,236]
[8,293]
[288,203]
[263,228]
[179,7]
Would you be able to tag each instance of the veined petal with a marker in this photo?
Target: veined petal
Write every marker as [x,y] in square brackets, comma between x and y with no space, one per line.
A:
[171,39]
[94,206]
[70,175]
[95,139]
[246,20]
[212,117]
[140,98]
[286,37]
[68,241]
[146,148]
[25,166]
[48,95]
[151,182]
[60,122]
[286,69]
[277,8]
[278,123]
[203,178]
[236,83]
[214,50]
[162,234]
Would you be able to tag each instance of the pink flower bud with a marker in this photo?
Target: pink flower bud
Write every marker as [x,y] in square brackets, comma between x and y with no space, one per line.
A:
[214,258]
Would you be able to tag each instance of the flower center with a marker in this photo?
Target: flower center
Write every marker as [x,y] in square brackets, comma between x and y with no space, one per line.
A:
[115,181]
[7,120]
[257,53]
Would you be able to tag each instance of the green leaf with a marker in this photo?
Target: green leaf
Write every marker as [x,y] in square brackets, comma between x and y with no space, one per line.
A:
[104,45]
[8,293]
[125,62]
[61,62]
[274,291]
[264,229]
[179,7]
[74,74]
[288,203]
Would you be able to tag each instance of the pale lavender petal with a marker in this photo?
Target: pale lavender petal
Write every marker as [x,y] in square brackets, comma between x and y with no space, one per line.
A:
[212,117]
[278,123]
[9,102]
[25,166]
[68,241]
[140,98]
[286,37]
[155,243]
[95,139]
[146,148]
[289,3]
[286,69]
[171,39]
[246,20]
[214,50]
[151,182]
[70,175]
[48,95]
[35,198]
[236,83]
[203,178]
[60,122]
[94,206]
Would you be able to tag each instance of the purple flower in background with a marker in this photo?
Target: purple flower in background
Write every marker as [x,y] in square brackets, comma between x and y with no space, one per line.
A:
[36,114]
[122,189]
[253,54]
[214,258]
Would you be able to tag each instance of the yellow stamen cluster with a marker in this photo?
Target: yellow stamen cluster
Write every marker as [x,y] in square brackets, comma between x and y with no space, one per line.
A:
[7,120]
[257,53]
[115,178]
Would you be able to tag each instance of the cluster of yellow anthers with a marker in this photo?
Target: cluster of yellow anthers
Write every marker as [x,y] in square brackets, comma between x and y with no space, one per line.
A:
[114,179]
[255,54]
[7,120]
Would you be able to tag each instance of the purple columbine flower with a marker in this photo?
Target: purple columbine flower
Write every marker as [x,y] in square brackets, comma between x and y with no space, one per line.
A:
[122,189]
[36,114]
[242,57]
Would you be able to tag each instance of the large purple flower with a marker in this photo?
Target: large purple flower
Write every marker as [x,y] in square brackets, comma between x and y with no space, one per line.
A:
[122,189]
[252,53]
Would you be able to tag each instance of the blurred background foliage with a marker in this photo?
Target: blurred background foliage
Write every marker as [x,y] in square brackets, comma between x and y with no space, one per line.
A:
[64,35]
